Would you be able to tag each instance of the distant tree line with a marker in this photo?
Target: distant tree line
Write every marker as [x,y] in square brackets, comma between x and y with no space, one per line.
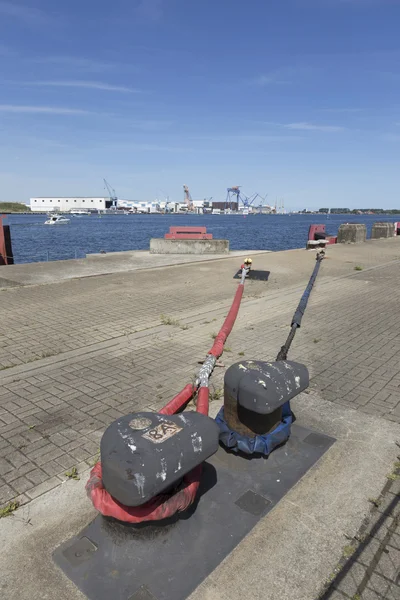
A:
[13,207]
[358,211]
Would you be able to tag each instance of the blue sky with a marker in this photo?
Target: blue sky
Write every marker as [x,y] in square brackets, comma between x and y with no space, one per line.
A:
[299,99]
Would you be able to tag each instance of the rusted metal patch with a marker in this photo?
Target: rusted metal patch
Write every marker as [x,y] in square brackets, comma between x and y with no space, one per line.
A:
[162,432]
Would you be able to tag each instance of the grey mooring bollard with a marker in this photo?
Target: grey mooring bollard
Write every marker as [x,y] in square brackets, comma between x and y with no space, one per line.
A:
[256,391]
[352,233]
[143,454]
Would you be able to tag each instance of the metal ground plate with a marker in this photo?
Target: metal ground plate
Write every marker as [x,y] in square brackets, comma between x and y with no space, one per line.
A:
[167,562]
[253,275]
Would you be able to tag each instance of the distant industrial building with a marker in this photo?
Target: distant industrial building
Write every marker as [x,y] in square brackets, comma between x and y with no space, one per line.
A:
[233,206]
[138,207]
[70,204]
[158,206]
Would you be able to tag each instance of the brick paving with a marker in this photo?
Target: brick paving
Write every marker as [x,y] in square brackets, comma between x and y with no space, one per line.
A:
[373,570]
[76,355]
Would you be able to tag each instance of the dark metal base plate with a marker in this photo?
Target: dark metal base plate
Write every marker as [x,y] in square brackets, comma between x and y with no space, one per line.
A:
[167,562]
[253,275]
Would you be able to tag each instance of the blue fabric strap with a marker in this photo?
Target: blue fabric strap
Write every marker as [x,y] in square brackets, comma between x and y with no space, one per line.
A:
[262,444]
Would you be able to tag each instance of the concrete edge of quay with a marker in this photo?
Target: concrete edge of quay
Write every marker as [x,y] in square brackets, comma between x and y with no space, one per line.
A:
[94,265]
[39,273]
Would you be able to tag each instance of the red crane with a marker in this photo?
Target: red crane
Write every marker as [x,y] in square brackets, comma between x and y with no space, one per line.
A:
[187,198]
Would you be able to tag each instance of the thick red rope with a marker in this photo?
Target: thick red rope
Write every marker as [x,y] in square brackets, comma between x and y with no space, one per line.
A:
[203,401]
[218,346]
[165,505]
[158,508]
[217,349]
[178,401]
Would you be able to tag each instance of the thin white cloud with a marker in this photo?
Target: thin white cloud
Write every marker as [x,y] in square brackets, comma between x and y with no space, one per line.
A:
[264,80]
[48,110]
[269,138]
[25,14]
[303,126]
[362,2]
[149,124]
[91,85]
[252,138]
[284,76]
[147,147]
[77,63]
[19,141]
[342,110]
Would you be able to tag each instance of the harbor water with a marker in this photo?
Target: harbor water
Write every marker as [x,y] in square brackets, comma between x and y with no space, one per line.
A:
[34,242]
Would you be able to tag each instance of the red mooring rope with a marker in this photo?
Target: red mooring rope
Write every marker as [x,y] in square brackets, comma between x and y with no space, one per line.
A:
[219,342]
[164,506]
[161,507]
[178,401]
[217,349]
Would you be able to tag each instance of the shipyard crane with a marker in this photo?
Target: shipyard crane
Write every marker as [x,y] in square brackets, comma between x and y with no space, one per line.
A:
[247,201]
[188,198]
[234,195]
[111,193]
[232,192]
[263,204]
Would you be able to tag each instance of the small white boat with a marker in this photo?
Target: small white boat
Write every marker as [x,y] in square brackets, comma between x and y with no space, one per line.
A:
[80,212]
[57,220]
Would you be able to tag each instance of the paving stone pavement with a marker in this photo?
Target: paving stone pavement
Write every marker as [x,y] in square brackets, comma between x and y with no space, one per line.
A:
[372,572]
[77,354]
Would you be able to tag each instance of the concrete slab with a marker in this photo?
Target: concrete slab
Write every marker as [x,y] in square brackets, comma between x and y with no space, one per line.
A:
[179,246]
[287,556]
[382,230]
[352,233]
[291,264]
[102,264]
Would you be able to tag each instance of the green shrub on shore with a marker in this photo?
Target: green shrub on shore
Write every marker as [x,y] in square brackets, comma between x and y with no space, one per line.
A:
[13,207]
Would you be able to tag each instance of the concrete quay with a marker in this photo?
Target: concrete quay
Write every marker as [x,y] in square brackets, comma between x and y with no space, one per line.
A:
[78,352]
[98,264]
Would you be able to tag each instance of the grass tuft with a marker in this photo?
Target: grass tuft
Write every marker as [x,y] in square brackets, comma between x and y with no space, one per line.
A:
[375,501]
[8,510]
[72,474]
[216,394]
[348,551]
[165,320]
[3,368]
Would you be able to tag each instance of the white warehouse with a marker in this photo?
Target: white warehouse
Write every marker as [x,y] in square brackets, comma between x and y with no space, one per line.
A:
[68,204]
